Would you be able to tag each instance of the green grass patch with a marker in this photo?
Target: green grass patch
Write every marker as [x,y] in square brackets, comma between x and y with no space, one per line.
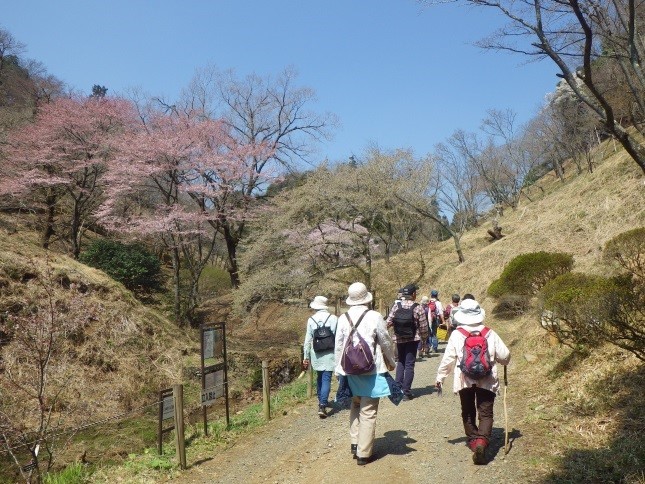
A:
[76,473]
[150,465]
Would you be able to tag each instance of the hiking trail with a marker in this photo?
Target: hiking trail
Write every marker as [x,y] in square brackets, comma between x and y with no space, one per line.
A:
[418,441]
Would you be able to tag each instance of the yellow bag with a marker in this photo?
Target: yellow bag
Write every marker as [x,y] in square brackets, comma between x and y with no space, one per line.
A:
[442,334]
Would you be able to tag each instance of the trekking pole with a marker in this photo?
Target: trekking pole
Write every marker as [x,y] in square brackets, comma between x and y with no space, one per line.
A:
[506,449]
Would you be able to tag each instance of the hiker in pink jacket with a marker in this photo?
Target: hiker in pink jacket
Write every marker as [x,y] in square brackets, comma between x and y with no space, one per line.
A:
[477,395]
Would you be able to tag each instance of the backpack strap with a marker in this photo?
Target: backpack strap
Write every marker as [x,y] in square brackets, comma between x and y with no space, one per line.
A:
[317,323]
[484,332]
[351,323]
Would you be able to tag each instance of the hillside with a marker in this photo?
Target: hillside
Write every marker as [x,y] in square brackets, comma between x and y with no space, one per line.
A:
[577,416]
[582,419]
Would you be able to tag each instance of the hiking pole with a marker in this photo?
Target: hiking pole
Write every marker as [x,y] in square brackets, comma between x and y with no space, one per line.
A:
[506,449]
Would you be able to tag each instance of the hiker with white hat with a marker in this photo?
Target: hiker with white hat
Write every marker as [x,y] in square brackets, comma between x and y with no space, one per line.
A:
[476,348]
[318,349]
[361,327]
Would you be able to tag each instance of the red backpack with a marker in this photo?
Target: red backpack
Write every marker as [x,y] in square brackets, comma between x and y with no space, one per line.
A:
[432,311]
[475,362]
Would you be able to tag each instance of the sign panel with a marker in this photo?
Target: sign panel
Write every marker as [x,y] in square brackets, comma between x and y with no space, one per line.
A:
[168,408]
[209,343]
[214,383]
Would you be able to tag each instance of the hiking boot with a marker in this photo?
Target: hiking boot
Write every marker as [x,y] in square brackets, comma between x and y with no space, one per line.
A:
[322,412]
[354,447]
[479,452]
[407,396]
[361,461]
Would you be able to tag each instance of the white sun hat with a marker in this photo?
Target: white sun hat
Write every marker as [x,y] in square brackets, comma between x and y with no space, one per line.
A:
[357,294]
[319,302]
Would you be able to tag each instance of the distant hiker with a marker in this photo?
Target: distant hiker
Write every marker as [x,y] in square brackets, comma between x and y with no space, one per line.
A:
[435,318]
[448,313]
[320,338]
[477,393]
[424,346]
[362,325]
[408,319]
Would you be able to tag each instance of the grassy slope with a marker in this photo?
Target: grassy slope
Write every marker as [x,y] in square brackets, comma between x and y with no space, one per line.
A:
[124,356]
[575,419]
[580,420]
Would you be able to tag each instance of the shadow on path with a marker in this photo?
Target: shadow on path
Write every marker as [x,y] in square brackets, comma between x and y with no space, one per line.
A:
[393,442]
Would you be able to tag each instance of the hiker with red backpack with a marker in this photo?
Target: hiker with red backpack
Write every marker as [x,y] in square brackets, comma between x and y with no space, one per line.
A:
[472,350]
[408,319]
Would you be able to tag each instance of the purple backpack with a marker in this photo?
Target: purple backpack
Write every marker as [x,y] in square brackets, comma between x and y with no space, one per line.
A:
[356,359]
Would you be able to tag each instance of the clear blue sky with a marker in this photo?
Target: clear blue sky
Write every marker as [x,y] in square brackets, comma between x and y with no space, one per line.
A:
[394,72]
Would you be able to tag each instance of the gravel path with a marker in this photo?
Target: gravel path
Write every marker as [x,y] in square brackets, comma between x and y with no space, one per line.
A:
[417,441]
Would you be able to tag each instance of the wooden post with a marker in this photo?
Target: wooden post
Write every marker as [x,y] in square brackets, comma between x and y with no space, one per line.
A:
[310,381]
[266,403]
[180,441]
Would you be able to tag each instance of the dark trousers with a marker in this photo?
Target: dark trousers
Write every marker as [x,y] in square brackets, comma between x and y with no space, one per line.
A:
[406,358]
[477,401]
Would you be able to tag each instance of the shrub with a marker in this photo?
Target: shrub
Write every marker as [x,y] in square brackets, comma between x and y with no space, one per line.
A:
[526,274]
[511,306]
[584,310]
[628,250]
[130,264]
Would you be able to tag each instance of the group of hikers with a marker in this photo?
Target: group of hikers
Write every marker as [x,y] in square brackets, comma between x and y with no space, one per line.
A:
[361,347]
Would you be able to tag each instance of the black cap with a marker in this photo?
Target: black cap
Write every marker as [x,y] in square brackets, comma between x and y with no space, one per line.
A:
[409,290]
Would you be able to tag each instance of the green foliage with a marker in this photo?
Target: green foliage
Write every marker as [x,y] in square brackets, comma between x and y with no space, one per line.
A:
[583,310]
[628,251]
[527,273]
[75,473]
[130,264]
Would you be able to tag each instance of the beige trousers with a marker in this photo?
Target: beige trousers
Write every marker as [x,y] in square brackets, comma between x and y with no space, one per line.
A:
[362,424]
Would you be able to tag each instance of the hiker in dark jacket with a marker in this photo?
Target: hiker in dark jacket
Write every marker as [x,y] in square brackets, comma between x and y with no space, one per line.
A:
[408,341]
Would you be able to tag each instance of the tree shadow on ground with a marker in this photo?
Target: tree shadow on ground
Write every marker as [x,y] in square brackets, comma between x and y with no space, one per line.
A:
[393,442]
[619,396]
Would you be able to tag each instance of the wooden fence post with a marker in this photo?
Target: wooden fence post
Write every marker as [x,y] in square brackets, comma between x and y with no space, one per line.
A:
[266,403]
[180,441]
[310,381]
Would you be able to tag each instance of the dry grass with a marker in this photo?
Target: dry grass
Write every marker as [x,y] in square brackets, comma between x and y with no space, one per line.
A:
[580,419]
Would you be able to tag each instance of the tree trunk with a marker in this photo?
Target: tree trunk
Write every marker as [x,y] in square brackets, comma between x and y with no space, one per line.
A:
[460,253]
[49,231]
[231,264]
[176,285]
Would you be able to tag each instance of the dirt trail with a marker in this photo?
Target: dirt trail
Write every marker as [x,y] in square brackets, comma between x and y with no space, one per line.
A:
[417,441]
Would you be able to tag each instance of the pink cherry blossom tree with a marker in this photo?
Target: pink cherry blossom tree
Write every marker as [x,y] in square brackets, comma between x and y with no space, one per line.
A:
[55,164]
[178,177]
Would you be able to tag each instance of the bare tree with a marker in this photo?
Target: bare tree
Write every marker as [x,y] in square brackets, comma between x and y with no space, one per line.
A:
[269,112]
[577,36]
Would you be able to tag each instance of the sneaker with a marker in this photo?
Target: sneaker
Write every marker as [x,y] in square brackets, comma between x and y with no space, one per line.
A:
[479,452]
[407,396]
[322,412]
[361,461]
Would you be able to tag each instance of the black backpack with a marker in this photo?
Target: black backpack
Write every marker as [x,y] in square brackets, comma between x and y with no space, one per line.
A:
[324,338]
[405,325]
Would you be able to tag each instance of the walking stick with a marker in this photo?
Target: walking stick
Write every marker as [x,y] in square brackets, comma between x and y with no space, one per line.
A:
[506,448]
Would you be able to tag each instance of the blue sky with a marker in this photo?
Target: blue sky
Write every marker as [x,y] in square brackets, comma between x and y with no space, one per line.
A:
[394,72]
